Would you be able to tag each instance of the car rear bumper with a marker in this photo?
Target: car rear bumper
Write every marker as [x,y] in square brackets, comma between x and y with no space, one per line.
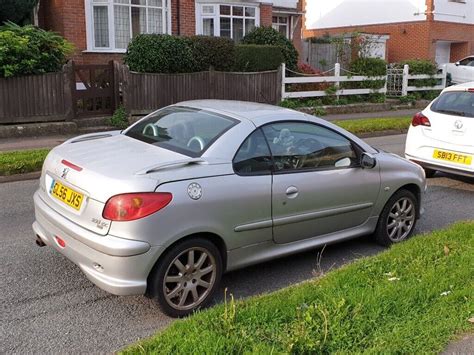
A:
[443,168]
[116,265]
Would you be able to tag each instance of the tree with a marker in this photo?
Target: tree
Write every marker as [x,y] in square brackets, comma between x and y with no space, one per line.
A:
[17,11]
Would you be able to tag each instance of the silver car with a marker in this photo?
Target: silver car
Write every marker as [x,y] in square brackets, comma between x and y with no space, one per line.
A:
[192,190]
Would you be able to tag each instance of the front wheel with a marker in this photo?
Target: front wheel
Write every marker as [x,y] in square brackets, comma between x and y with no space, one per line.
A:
[398,218]
[187,277]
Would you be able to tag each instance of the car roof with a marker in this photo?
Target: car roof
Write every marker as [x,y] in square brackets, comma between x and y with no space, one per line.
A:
[244,110]
[460,87]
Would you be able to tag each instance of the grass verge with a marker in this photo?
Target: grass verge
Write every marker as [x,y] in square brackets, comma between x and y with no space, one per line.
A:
[369,125]
[412,298]
[23,161]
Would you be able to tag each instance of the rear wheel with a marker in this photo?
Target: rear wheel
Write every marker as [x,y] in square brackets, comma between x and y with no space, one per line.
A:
[187,277]
[398,218]
[429,173]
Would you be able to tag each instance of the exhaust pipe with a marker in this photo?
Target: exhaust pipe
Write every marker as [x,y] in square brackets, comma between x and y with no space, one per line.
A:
[39,241]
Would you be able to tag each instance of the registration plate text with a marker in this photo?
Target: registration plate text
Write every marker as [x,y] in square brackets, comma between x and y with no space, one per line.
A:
[452,157]
[67,195]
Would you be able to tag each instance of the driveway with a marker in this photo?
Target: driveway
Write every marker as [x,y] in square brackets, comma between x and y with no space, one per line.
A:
[48,305]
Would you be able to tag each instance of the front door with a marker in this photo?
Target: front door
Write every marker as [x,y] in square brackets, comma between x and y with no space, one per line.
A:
[318,185]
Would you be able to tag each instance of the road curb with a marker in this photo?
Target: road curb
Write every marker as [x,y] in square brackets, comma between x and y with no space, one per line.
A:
[20,177]
[390,132]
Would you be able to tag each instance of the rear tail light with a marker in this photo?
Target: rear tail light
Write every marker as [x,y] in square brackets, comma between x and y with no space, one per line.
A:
[420,120]
[470,90]
[128,207]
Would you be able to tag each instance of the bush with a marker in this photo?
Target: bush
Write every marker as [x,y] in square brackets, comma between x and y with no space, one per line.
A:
[120,118]
[253,58]
[156,53]
[208,51]
[267,35]
[367,67]
[420,67]
[29,50]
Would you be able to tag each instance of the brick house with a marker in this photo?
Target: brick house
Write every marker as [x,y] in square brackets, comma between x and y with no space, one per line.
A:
[101,29]
[439,30]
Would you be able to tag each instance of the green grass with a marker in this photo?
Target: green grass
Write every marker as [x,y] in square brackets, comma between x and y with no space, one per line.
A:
[369,125]
[23,161]
[413,298]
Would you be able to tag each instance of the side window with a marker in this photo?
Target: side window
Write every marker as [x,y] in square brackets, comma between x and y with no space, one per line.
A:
[466,61]
[253,156]
[305,146]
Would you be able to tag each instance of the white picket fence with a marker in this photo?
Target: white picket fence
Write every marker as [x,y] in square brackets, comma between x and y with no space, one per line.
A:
[336,79]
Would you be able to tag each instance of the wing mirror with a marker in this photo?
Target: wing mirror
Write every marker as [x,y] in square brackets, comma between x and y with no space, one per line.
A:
[367,161]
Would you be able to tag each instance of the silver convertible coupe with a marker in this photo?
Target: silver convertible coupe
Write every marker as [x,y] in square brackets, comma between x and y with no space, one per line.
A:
[192,190]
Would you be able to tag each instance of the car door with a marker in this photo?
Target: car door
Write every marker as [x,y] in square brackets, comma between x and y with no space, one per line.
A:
[318,186]
[251,188]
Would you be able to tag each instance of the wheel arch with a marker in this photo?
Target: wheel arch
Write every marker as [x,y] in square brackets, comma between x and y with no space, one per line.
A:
[415,190]
[217,240]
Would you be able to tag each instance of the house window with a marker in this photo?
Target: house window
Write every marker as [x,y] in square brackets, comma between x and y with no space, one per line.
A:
[113,23]
[281,24]
[226,20]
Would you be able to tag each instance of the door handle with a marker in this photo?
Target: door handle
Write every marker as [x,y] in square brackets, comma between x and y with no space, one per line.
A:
[291,192]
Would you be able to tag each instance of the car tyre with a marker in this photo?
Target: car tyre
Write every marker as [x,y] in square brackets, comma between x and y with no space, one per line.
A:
[398,218]
[186,277]
[429,173]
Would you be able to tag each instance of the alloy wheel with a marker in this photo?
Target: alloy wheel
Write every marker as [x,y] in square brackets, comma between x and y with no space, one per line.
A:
[401,219]
[189,278]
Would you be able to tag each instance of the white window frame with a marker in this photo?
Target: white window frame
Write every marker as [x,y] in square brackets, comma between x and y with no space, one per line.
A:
[278,23]
[89,4]
[216,16]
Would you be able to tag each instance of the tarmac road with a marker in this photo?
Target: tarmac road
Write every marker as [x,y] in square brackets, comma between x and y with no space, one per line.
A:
[48,305]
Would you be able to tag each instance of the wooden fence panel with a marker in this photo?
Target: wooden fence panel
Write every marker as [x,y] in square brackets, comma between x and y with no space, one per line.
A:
[146,92]
[36,98]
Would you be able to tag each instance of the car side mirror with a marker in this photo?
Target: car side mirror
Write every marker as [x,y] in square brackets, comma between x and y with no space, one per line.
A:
[457,64]
[367,161]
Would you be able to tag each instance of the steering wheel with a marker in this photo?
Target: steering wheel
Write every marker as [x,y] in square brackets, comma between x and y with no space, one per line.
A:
[197,139]
[308,150]
[150,127]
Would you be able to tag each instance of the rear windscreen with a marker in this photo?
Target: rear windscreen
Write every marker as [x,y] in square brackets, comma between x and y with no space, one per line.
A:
[457,103]
[184,130]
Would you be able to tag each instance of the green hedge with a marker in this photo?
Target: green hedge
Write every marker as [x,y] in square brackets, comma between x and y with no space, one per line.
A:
[252,57]
[269,36]
[367,67]
[216,52]
[156,53]
[420,67]
[153,53]
[29,50]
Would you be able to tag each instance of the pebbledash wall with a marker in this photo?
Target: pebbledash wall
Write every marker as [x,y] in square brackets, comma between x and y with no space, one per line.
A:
[417,28]
[68,18]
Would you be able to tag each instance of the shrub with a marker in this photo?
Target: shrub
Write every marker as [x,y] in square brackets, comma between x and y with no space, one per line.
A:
[208,51]
[120,118]
[420,67]
[252,58]
[367,67]
[269,36]
[156,53]
[29,50]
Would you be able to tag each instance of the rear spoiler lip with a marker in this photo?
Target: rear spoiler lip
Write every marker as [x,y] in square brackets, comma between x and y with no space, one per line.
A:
[171,164]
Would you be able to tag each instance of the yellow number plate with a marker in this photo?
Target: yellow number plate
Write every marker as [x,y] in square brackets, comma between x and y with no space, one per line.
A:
[67,195]
[453,157]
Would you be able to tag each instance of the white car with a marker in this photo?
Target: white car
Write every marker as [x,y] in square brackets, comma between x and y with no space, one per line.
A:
[441,137]
[462,71]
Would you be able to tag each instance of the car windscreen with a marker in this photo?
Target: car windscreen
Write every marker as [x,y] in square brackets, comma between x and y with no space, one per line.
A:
[185,130]
[457,103]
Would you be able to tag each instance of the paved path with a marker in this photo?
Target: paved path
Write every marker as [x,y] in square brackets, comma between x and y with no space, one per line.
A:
[49,306]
